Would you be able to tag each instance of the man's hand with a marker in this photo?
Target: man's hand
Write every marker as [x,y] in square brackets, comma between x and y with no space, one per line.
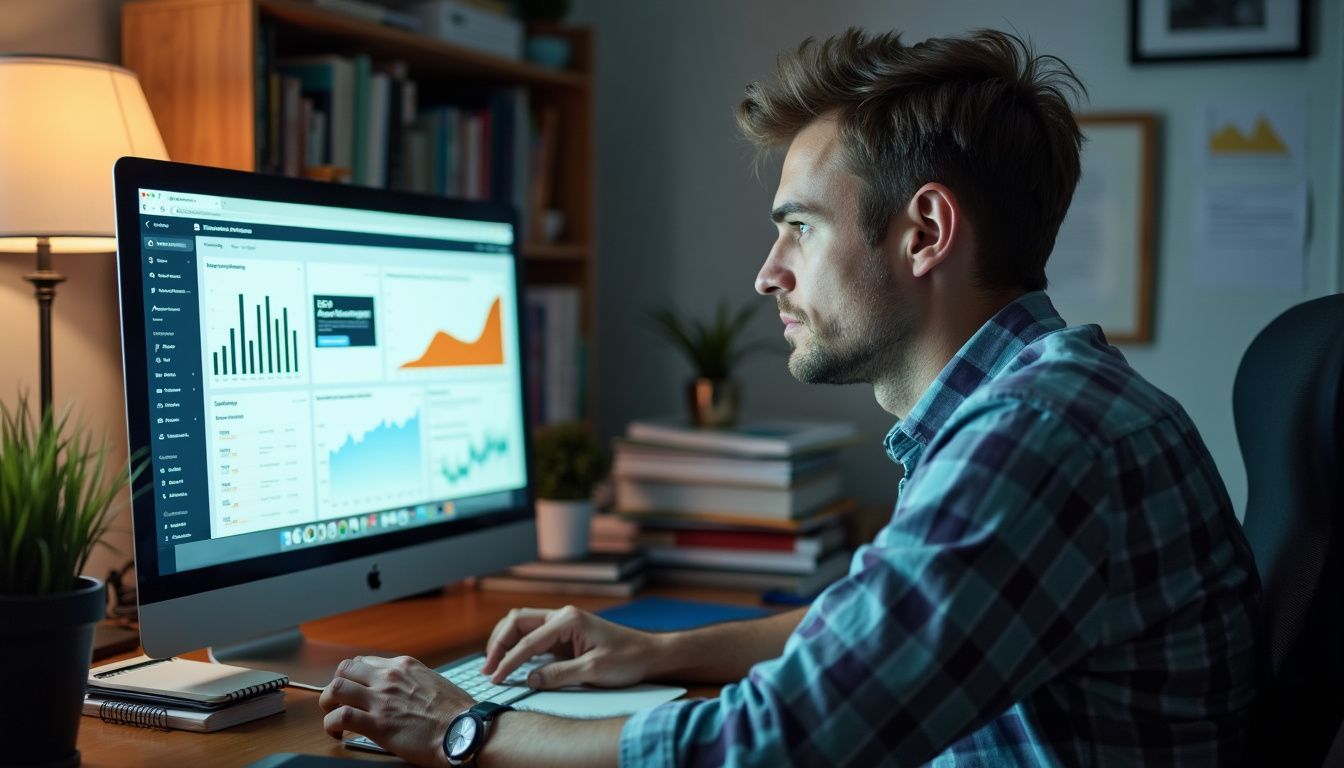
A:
[400,703]
[591,650]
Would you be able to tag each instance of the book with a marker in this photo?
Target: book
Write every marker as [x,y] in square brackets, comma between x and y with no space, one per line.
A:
[728,540]
[761,561]
[181,681]
[802,585]
[713,521]
[504,582]
[330,82]
[128,712]
[643,461]
[595,567]
[760,438]
[781,503]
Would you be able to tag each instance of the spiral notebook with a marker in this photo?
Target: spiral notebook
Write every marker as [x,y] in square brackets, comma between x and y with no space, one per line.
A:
[181,682]
[125,712]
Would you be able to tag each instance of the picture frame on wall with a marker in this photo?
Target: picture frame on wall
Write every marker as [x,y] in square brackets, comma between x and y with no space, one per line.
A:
[1101,269]
[1191,30]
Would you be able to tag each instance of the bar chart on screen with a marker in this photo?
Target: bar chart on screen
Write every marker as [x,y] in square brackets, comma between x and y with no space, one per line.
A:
[255,322]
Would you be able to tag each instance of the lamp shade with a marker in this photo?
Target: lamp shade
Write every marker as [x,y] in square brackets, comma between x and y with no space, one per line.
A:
[63,124]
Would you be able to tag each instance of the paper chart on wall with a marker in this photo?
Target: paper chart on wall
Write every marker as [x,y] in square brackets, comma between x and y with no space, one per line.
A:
[1250,222]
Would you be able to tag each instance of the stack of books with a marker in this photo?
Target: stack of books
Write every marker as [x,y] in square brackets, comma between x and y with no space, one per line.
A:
[601,574]
[755,507]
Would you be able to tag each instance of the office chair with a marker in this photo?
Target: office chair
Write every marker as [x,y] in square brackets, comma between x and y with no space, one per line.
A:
[1288,403]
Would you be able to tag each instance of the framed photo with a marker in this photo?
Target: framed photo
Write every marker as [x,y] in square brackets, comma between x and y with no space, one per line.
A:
[1101,270]
[1180,30]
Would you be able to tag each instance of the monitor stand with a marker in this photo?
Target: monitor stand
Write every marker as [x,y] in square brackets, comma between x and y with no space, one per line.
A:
[309,664]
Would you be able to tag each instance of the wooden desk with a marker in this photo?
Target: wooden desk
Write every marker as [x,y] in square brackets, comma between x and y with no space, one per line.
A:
[433,629]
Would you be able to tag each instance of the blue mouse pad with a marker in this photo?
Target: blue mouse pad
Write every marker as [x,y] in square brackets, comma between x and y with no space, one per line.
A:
[665,614]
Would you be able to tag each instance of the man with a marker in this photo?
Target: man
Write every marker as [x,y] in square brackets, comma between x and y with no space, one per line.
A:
[1062,582]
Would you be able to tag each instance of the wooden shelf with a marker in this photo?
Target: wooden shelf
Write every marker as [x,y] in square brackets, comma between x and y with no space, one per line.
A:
[425,55]
[556,251]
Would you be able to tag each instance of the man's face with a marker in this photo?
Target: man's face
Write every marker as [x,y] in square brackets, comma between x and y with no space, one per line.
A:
[839,299]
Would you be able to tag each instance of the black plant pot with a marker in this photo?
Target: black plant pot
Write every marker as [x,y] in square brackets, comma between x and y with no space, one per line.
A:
[48,643]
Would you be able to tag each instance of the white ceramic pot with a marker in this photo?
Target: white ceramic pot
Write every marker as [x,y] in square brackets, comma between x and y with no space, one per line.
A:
[562,528]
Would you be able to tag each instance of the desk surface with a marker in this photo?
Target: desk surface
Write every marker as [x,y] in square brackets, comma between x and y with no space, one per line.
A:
[433,629]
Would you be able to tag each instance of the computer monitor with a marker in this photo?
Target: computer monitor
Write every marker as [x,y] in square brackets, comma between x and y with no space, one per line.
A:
[328,384]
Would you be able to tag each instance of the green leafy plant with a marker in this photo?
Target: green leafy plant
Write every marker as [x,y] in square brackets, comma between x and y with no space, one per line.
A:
[56,499]
[715,347]
[569,462]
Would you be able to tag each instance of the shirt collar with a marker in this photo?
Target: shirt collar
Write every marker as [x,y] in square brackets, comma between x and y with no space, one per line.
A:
[980,359]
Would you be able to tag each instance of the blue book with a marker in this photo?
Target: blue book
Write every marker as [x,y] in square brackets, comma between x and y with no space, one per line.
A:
[666,614]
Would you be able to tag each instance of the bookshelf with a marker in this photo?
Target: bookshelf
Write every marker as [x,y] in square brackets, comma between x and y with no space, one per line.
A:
[198,63]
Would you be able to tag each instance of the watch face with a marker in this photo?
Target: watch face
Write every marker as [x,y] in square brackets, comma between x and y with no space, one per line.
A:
[461,734]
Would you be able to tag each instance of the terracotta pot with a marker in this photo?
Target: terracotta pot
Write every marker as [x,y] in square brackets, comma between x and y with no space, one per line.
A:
[713,402]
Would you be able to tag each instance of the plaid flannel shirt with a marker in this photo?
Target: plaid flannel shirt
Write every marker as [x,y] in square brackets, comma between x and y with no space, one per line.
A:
[1062,582]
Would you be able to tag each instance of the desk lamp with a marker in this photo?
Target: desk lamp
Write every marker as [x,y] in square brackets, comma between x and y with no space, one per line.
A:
[63,123]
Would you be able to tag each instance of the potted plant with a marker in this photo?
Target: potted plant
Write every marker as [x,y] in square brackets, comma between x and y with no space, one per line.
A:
[55,504]
[714,348]
[569,463]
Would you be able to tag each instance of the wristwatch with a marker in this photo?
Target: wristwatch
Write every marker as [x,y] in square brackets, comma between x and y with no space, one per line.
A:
[466,733]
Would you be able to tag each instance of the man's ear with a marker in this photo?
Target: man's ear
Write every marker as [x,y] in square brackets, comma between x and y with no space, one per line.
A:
[936,216]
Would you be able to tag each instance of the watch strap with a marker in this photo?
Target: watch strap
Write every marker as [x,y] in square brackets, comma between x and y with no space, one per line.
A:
[488,710]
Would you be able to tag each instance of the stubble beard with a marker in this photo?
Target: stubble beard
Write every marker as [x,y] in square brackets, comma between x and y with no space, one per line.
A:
[852,354]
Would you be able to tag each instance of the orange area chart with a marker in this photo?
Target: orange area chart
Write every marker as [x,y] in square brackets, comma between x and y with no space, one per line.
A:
[446,350]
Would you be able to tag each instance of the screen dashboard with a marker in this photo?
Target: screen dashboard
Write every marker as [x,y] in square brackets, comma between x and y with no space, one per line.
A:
[316,375]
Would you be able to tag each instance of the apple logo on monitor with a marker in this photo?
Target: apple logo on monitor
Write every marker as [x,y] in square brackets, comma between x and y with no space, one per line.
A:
[375,580]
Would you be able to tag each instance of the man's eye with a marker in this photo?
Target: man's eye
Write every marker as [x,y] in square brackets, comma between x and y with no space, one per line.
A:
[802,227]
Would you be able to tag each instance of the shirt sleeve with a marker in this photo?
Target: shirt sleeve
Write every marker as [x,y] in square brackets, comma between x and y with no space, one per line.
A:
[988,581]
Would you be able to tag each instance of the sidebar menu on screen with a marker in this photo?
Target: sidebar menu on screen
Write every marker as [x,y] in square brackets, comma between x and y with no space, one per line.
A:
[176,407]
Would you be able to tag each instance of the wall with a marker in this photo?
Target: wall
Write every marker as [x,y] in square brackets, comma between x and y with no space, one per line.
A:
[682,219]
[86,341]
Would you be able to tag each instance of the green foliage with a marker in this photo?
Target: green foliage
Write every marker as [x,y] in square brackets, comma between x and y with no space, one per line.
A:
[55,500]
[569,462]
[714,348]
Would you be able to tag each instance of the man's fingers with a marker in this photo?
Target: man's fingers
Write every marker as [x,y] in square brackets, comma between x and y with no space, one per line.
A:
[539,640]
[345,691]
[518,623]
[347,718]
[559,674]
[360,669]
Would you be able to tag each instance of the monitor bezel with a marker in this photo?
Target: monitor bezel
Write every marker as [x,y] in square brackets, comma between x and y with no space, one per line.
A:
[131,175]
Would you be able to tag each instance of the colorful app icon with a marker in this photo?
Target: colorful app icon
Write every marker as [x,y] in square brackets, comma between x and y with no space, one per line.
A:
[286,539]
[310,534]
[321,533]
[342,528]
[331,530]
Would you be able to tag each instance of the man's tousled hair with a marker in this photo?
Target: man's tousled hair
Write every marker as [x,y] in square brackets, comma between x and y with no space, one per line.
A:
[981,114]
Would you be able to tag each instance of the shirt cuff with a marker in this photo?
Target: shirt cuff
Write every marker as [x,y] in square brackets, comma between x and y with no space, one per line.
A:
[649,737]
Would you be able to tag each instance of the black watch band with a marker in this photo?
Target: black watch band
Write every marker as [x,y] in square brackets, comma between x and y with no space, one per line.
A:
[481,713]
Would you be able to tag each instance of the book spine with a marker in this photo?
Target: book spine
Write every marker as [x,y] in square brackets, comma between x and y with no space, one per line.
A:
[130,713]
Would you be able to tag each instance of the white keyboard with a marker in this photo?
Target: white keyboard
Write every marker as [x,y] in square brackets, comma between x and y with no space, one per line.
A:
[466,674]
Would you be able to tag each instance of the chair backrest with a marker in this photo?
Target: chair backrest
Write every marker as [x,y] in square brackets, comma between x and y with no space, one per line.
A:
[1288,402]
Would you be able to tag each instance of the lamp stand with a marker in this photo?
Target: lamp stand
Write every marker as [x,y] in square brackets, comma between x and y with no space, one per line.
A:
[44,280]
